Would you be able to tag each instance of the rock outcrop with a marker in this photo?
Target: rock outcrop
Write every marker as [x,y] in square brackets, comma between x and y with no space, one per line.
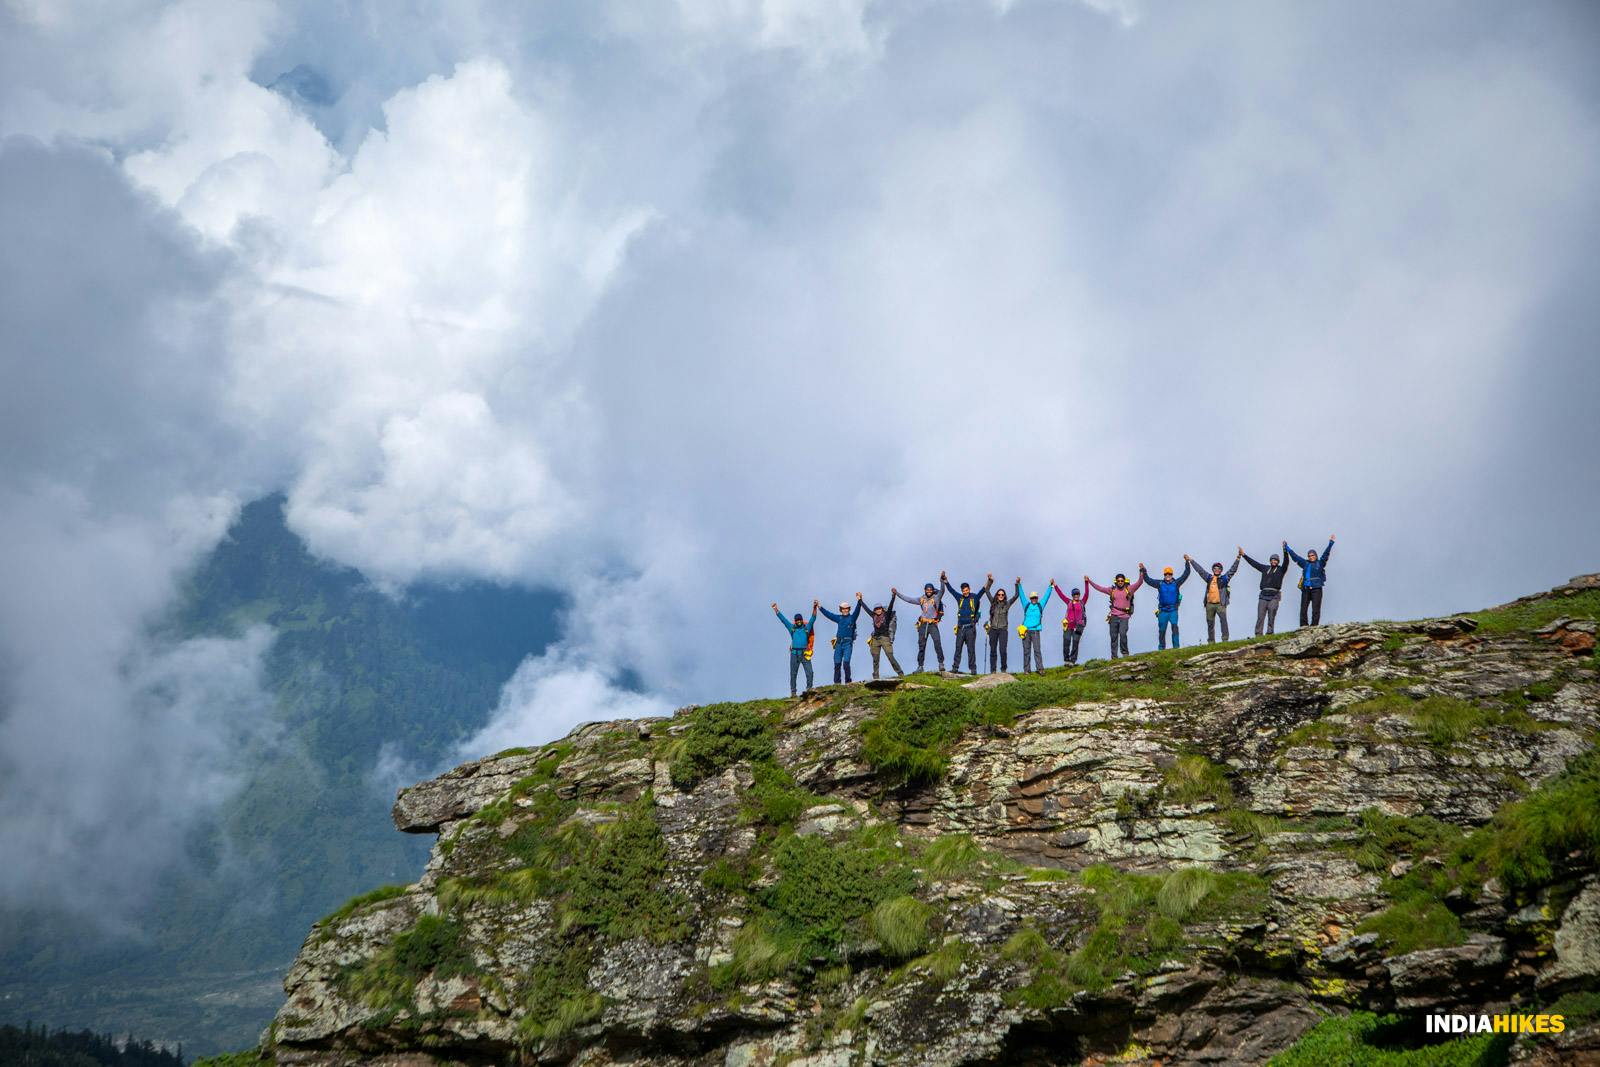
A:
[1182,857]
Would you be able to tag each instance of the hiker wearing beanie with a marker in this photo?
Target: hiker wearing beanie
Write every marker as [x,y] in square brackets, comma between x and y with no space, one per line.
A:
[1168,599]
[1217,596]
[1121,596]
[800,635]
[1033,629]
[882,639]
[1272,574]
[931,612]
[967,604]
[1072,625]
[844,640]
[1313,576]
[999,628]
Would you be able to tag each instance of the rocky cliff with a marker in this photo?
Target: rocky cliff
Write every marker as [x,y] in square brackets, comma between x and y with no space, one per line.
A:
[1183,857]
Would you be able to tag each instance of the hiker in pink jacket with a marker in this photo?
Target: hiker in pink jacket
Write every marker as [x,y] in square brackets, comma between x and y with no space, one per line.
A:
[1072,625]
[1121,594]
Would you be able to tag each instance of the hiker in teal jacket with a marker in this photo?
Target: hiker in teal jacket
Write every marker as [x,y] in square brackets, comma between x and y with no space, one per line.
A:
[1313,576]
[1168,599]
[799,640]
[844,640]
[1033,621]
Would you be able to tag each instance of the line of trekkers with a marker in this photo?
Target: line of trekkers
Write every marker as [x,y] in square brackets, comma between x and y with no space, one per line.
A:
[931,611]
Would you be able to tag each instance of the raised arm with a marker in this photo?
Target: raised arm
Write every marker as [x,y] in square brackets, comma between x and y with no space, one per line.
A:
[1291,554]
[813,621]
[1092,584]
[1137,582]
[831,616]
[787,625]
[1262,567]
[856,611]
[896,594]
[1327,551]
[1187,567]
[1233,569]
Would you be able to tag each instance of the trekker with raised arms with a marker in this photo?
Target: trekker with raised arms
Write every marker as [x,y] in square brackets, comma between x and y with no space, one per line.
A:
[967,604]
[999,628]
[931,609]
[800,632]
[1272,574]
[1072,624]
[844,641]
[882,640]
[1033,627]
[1121,596]
[1217,597]
[1313,576]
[1168,599]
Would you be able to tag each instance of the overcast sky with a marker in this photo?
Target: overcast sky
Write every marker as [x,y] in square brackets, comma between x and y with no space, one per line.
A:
[682,308]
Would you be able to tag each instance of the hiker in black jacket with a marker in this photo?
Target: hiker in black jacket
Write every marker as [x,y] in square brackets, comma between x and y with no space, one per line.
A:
[882,639]
[1271,589]
[967,603]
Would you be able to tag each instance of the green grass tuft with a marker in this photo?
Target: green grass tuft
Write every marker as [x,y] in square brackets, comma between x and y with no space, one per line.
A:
[1363,1039]
[952,856]
[901,926]
[720,735]
[1196,778]
[1532,616]
[354,904]
[436,945]
[774,799]
[911,739]
[1530,840]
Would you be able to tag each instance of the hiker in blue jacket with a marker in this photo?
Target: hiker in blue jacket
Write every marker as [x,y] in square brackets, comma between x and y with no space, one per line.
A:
[1313,576]
[967,605]
[799,642]
[1168,599]
[844,641]
[1033,625]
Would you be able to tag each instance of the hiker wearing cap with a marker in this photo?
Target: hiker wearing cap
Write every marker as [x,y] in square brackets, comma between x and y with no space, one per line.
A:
[931,612]
[1121,596]
[967,604]
[1217,596]
[1313,576]
[1272,574]
[1072,625]
[1167,600]
[844,641]
[999,628]
[882,639]
[800,633]
[1032,629]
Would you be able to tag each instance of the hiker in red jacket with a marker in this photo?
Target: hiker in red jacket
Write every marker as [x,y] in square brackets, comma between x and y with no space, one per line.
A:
[1072,625]
[1121,594]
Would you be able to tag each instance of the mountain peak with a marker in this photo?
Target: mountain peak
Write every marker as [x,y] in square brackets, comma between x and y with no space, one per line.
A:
[1181,857]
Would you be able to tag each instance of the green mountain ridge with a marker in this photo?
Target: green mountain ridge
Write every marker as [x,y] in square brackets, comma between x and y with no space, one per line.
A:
[353,674]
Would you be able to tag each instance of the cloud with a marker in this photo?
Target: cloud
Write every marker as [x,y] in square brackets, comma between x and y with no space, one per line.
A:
[682,309]
[547,696]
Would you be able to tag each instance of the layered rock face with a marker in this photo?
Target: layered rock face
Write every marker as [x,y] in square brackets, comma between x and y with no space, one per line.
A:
[1182,857]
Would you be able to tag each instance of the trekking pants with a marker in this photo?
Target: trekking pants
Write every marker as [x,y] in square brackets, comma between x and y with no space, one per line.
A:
[923,630]
[1167,617]
[1267,612]
[999,642]
[1312,599]
[883,645]
[842,651]
[1069,644]
[1214,612]
[1031,644]
[797,659]
[1119,634]
[966,635]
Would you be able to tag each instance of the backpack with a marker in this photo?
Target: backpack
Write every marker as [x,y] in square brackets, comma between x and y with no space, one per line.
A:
[811,641]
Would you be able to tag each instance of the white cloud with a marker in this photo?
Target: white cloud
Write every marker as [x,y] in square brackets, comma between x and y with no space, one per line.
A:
[547,696]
